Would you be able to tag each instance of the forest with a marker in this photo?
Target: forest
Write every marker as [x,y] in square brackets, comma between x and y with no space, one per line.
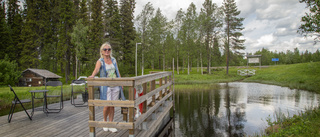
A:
[64,36]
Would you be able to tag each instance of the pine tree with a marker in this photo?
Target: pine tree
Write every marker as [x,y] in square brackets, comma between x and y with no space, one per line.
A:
[84,13]
[212,22]
[14,21]
[65,47]
[190,26]
[54,33]
[128,34]
[233,28]
[95,30]
[44,32]
[180,18]
[178,24]
[5,37]
[30,53]
[216,53]
[76,9]
[316,56]
[112,25]
[157,36]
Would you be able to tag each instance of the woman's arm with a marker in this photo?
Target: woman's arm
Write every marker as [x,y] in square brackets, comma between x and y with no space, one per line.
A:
[118,69]
[96,69]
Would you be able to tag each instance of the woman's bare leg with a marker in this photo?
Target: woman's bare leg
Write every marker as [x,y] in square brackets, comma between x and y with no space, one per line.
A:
[111,114]
[105,113]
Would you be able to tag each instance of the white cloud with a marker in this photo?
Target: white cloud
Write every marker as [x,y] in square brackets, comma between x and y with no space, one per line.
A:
[266,39]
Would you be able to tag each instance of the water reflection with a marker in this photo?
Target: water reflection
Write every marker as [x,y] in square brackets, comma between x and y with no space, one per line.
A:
[236,109]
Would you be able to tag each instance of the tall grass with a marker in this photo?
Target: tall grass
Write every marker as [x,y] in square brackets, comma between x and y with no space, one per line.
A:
[304,124]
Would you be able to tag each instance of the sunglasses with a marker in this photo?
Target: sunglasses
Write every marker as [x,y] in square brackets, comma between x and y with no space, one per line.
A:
[109,49]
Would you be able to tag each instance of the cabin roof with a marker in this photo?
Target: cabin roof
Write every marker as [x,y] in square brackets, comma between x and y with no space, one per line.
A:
[42,72]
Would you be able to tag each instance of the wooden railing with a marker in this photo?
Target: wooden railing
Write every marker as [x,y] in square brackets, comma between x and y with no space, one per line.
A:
[164,98]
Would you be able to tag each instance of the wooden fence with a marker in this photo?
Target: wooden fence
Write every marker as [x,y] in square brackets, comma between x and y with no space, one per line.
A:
[162,101]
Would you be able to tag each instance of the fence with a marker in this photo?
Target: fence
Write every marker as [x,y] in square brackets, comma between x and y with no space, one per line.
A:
[160,105]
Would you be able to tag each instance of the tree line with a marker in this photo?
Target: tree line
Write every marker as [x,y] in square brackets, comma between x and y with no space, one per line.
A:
[288,57]
[64,36]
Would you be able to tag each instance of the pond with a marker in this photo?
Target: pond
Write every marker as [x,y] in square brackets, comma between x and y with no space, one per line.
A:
[236,109]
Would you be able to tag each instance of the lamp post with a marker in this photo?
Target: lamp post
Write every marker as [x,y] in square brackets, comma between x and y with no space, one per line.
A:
[136,57]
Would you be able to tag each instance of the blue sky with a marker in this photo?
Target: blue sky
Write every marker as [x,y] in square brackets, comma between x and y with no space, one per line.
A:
[270,24]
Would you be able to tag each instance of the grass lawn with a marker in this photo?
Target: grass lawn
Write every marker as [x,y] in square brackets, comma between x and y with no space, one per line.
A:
[304,76]
[6,96]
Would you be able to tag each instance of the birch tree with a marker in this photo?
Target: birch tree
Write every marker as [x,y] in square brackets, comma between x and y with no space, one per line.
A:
[143,21]
[79,39]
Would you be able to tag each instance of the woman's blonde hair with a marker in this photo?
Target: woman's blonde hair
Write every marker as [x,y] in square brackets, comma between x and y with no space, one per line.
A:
[102,46]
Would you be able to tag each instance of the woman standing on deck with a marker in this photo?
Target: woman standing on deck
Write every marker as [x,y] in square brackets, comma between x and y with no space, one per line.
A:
[108,67]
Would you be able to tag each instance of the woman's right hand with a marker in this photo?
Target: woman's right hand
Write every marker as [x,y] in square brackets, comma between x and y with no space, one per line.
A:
[91,77]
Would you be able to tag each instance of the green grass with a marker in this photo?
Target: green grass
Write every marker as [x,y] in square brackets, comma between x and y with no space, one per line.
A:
[304,76]
[195,77]
[6,96]
[303,125]
[195,87]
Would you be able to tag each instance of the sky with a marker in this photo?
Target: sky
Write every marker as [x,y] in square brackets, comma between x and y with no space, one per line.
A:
[269,24]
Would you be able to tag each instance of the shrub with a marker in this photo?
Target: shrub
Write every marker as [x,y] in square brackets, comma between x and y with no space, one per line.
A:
[9,73]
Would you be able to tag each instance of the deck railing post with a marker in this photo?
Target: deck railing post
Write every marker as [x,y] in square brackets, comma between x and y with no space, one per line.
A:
[152,87]
[170,80]
[166,81]
[160,93]
[144,106]
[171,87]
[91,111]
[131,111]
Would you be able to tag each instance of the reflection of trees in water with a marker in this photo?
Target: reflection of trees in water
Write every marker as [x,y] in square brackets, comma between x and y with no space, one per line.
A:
[237,118]
[200,113]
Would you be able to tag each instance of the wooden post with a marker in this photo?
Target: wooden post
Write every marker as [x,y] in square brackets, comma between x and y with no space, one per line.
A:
[160,93]
[91,112]
[144,106]
[165,82]
[131,110]
[124,114]
[152,87]
[170,85]
[144,110]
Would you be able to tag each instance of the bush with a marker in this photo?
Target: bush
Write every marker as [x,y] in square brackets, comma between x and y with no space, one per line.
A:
[9,73]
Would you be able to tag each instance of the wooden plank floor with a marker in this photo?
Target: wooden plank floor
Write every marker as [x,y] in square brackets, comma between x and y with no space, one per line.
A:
[71,121]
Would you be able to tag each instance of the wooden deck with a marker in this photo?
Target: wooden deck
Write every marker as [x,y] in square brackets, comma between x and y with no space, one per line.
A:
[85,121]
[71,121]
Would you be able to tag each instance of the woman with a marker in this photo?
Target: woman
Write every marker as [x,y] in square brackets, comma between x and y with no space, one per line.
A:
[107,65]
